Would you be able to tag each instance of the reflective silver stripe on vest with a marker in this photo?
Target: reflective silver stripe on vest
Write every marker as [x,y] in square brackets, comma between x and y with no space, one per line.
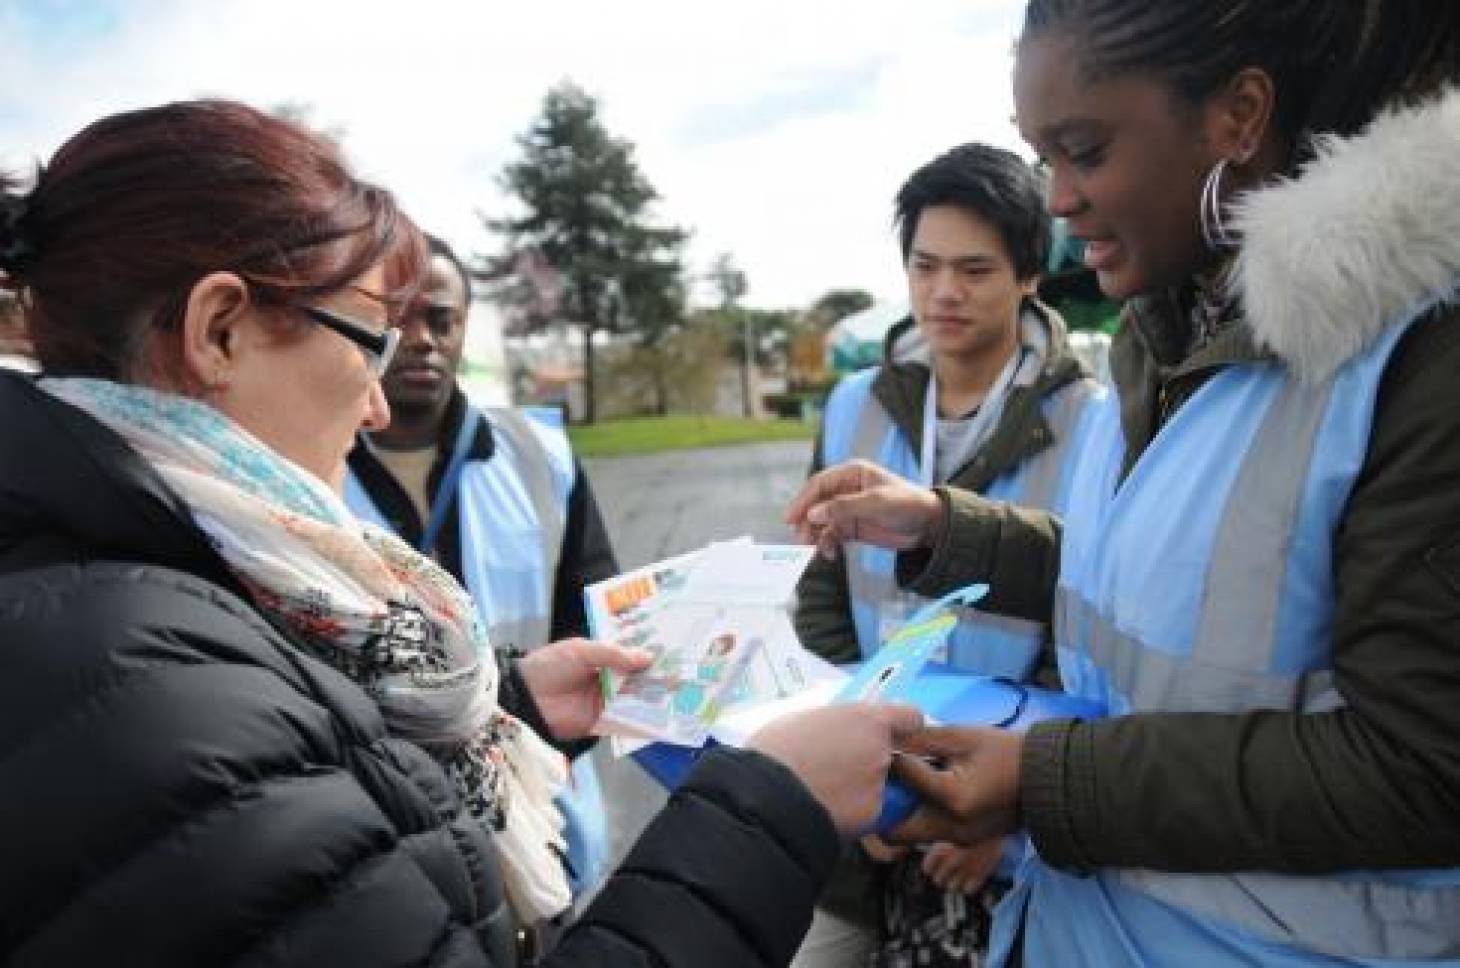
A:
[1229,669]
[1343,918]
[1157,682]
[533,465]
[873,425]
[1046,469]
[1250,555]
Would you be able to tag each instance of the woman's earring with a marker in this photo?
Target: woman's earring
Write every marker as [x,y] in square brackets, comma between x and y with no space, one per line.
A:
[1214,230]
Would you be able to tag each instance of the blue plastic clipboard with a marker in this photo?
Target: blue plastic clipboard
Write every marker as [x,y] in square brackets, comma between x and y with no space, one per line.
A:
[944,694]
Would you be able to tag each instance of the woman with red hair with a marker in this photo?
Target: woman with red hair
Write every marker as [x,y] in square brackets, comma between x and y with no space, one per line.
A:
[241,727]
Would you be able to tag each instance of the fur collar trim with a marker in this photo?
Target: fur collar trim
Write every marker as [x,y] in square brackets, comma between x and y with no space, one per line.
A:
[1368,232]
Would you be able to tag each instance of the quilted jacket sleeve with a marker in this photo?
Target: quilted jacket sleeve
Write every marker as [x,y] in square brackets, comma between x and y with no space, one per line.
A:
[725,876]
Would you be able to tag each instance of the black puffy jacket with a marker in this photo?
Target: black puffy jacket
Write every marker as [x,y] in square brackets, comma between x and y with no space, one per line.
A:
[180,785]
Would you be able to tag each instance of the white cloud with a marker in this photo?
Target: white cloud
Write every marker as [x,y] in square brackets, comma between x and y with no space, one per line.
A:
[778,131]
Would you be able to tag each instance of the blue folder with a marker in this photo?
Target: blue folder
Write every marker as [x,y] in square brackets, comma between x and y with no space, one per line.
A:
[950,697]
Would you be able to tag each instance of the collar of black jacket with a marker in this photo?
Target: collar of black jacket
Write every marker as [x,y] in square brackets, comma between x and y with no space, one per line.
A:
[72,490]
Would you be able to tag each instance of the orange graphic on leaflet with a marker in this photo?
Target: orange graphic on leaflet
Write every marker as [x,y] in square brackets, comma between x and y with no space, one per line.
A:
[621,598]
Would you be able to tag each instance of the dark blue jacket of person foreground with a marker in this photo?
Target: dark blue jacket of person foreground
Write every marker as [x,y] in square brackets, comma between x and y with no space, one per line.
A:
[180,784]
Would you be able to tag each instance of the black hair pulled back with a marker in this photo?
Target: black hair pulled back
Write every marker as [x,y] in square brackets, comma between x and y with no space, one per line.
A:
[1335,64]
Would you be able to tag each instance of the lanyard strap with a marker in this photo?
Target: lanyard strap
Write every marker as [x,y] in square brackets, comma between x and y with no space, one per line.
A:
[441,500]
[977,428]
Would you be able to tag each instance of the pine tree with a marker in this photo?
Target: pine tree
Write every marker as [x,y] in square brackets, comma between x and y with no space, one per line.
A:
[586,218]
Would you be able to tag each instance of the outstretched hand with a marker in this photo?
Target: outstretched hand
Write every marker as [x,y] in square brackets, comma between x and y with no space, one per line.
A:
[563,678]
[860,501]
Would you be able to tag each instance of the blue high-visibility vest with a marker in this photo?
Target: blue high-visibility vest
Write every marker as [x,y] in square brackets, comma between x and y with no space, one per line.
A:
[1204,582]
[855,424]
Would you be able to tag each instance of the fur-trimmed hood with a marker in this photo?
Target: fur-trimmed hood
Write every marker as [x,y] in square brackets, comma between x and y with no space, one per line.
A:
[1368,230]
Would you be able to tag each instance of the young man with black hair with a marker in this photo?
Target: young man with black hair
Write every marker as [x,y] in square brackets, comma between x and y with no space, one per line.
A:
[978,389]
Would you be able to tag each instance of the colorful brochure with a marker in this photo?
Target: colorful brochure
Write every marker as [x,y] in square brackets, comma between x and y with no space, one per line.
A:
[726,657]
[716,621]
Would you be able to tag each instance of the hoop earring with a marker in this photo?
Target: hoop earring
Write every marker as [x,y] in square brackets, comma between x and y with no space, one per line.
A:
[1214,230]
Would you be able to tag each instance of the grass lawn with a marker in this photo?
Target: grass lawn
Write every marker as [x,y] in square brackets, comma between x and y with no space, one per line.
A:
[648,435]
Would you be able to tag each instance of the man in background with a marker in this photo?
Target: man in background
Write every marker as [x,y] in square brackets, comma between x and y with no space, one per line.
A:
[496,496]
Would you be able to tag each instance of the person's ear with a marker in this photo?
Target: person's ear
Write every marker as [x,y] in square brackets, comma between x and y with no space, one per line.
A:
[213,317]
[1030,287]
[1241,119]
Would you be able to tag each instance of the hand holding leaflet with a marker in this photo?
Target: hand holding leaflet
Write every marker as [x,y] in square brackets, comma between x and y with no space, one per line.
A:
[678,698]
[715,621]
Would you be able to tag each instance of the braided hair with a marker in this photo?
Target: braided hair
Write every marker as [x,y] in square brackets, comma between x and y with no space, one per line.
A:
[1334,63]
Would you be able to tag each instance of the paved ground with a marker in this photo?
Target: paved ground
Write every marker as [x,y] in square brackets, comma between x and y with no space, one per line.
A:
[665,504]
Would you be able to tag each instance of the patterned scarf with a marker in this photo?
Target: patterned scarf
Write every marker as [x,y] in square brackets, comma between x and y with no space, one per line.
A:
[366,603]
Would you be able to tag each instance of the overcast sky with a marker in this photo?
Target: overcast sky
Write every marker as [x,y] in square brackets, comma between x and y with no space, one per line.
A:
[777,130]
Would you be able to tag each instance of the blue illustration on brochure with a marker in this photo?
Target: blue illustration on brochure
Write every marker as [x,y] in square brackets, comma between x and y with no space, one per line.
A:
[888,676]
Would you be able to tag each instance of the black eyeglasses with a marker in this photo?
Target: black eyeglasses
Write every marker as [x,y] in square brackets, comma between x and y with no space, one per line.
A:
[379,346]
